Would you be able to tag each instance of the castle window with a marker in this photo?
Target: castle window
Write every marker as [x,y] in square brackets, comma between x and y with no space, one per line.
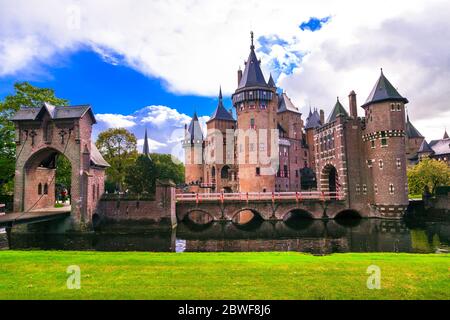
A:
[392,107]
[296,173]
[369,163]
[391,188]
[252,123]
[384,142]
[399,163]
[286,173]
[380,164]
[258,171]
[263,106]
[372,144]
[358,189]
[375,188]
[39,188]
[399,107]
[45,188]
[364,189]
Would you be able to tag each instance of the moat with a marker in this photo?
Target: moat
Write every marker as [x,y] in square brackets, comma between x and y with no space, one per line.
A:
[301,235]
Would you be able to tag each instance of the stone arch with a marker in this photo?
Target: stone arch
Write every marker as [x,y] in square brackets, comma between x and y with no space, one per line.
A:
[348,214]
[257,216]
[297,212]
[40,169]
[203,217]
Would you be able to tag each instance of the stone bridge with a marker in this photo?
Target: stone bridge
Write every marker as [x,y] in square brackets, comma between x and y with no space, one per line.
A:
[266,209]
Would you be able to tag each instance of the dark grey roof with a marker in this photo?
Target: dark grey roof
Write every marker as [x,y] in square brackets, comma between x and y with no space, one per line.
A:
[285,104]
[384,91]
[97,158]
[252,76]
[440,147]
[424,147]
[313,120]
[271,83]
[411,131]
[194,130]
[445,134]
[221,113]
[55,112]
[338,111]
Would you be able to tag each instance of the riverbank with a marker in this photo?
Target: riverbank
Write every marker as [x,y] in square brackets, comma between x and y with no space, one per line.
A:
[133,275]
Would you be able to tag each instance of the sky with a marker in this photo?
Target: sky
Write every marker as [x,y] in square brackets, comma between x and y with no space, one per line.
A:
[151,64]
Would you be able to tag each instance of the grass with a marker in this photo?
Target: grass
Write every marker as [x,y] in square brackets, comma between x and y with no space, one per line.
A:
[132,275]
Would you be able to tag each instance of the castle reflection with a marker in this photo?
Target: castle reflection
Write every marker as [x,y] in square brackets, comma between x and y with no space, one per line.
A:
[302,235]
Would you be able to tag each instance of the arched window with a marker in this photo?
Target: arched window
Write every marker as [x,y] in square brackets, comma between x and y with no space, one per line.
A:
[213,172]
[39,188]
[224,172]
[46,188]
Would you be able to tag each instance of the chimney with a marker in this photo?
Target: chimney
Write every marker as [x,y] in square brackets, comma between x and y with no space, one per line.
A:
[322,116]
[239,76]
[352,104]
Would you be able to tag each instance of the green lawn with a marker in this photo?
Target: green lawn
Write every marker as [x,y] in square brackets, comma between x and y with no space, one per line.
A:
[42,275]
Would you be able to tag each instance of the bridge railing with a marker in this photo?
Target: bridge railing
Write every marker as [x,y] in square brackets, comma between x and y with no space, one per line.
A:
[252,196]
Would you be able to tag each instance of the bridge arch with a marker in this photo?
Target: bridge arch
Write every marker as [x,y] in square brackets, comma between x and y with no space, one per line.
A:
[246,216]
[197,216]
[347,214]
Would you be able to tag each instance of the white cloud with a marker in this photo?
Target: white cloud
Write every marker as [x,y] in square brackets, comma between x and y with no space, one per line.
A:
[161,115]
[193,46]
[116,120]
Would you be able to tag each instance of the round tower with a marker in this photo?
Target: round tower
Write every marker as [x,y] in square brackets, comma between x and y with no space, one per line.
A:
[193,151]
[384,138]
[256,104]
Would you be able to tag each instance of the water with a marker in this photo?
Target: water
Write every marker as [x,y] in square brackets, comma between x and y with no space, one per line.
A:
[312,236]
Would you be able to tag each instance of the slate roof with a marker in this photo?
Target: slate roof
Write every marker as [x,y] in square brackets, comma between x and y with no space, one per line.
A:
[221,113]
[271,83]
[424,147]
[97,158]
[285,104]
[55,112]
[313,120]
[440,147]
[338,111]
[252,76]
[194,130]
[411,131]
[384,91]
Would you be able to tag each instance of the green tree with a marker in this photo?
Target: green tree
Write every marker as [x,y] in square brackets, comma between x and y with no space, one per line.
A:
[166,169]
[25,95]
[140,177]
[63,172]
[118,147]
[428,172]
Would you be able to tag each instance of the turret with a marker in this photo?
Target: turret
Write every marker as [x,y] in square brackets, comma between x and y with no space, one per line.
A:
[256,104]
[384,138]
[193,149]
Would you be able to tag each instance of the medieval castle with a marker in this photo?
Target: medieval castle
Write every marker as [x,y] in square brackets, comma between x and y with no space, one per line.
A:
[362,158]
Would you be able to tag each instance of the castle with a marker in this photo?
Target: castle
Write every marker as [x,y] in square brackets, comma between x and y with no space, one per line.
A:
[269,148]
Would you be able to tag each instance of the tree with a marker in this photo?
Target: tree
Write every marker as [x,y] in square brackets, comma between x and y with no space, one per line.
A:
[428,172]
[63,172]
[140,177]
[118,147]
[25,95]
[166,169]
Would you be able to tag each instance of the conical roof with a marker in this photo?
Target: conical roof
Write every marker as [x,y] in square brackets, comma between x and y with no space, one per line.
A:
[338,111]
[252,76]
[411,131]
[271,83]
[384,91]
[194,130]
[445,134]
[313,120]
[424,147]
[285,104]
[221,113]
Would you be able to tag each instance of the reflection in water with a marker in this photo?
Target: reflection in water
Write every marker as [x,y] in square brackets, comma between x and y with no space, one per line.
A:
[303,235]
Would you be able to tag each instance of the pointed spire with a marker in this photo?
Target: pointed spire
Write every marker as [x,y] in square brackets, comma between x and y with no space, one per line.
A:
[252,46]
[445,134]
[221,113]
[271,83]
[220,93]
[252,75]
[146,149]
[383,91]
